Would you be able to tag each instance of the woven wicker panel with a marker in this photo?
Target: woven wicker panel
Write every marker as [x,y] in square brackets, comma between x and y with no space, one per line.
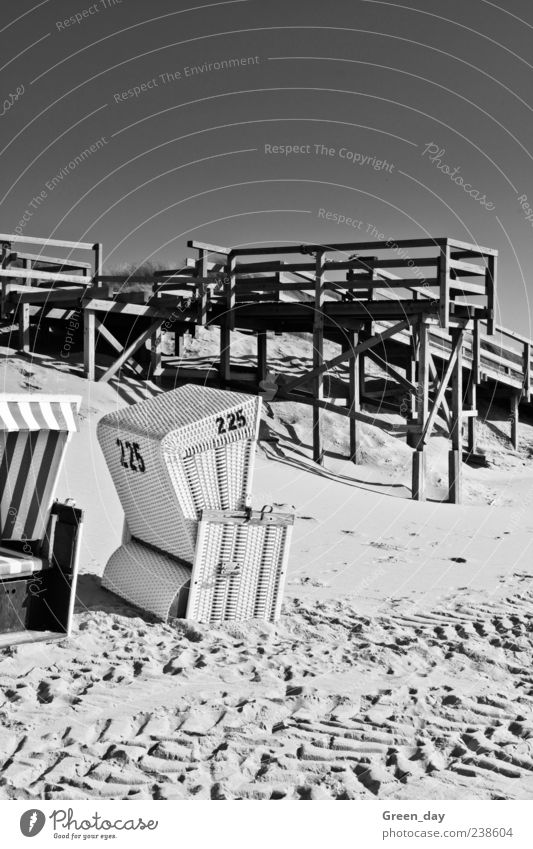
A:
[146,578]
[173,474]
[239,569]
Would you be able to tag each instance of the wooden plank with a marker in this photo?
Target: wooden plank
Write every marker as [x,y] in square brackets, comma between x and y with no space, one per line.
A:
[101,305]
[30,273]
[472,421]
[346,356]
[46,296]
[127,352]
[467,288]
[53,260]
[469,268]
[342,247]
[57,243]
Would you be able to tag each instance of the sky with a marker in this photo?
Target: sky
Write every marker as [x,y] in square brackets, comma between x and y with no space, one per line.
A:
[142,125]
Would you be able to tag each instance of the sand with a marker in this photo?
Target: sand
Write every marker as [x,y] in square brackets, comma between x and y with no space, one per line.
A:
[400,668]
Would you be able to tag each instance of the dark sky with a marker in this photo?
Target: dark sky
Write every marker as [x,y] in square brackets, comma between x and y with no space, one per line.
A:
[375,83]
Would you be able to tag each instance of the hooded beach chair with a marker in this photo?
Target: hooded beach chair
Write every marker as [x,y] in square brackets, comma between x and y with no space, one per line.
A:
[39,538]
[182,464]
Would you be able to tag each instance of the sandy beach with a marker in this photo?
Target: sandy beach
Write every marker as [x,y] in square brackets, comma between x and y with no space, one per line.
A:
[400,668]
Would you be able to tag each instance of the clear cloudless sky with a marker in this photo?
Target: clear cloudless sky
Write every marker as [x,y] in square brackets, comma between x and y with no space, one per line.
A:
[362,88]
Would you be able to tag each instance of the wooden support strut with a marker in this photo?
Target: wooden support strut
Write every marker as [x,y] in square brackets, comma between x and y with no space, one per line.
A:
[347,355]
[126,354]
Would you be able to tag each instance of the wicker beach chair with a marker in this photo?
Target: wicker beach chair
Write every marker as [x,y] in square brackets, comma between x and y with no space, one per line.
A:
[182,464]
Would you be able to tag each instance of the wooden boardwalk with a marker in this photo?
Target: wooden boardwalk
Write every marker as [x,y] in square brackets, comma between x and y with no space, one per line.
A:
[420,309]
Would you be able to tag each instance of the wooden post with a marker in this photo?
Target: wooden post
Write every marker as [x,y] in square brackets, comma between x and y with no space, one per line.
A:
[318,358]
[179,343]
[202,271]
[89,344]
[97,248]
[527,371]
[455,456]
[225,353]
[444,286]
[515,401]
[155,355]
[23,316]
[422,411]
[475,379]
[261,355]
[490,288]
[472,420]
[353,396]
[230,291]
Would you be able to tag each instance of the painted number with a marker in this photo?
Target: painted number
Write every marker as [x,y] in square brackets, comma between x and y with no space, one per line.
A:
[232,421]
[130,456]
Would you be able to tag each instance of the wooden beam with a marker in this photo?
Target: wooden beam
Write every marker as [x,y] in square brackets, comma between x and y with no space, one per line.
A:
[347,355]
[127,352]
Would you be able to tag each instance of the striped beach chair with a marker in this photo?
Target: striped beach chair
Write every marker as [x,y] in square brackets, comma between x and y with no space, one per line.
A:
[39,538]
[34,431]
